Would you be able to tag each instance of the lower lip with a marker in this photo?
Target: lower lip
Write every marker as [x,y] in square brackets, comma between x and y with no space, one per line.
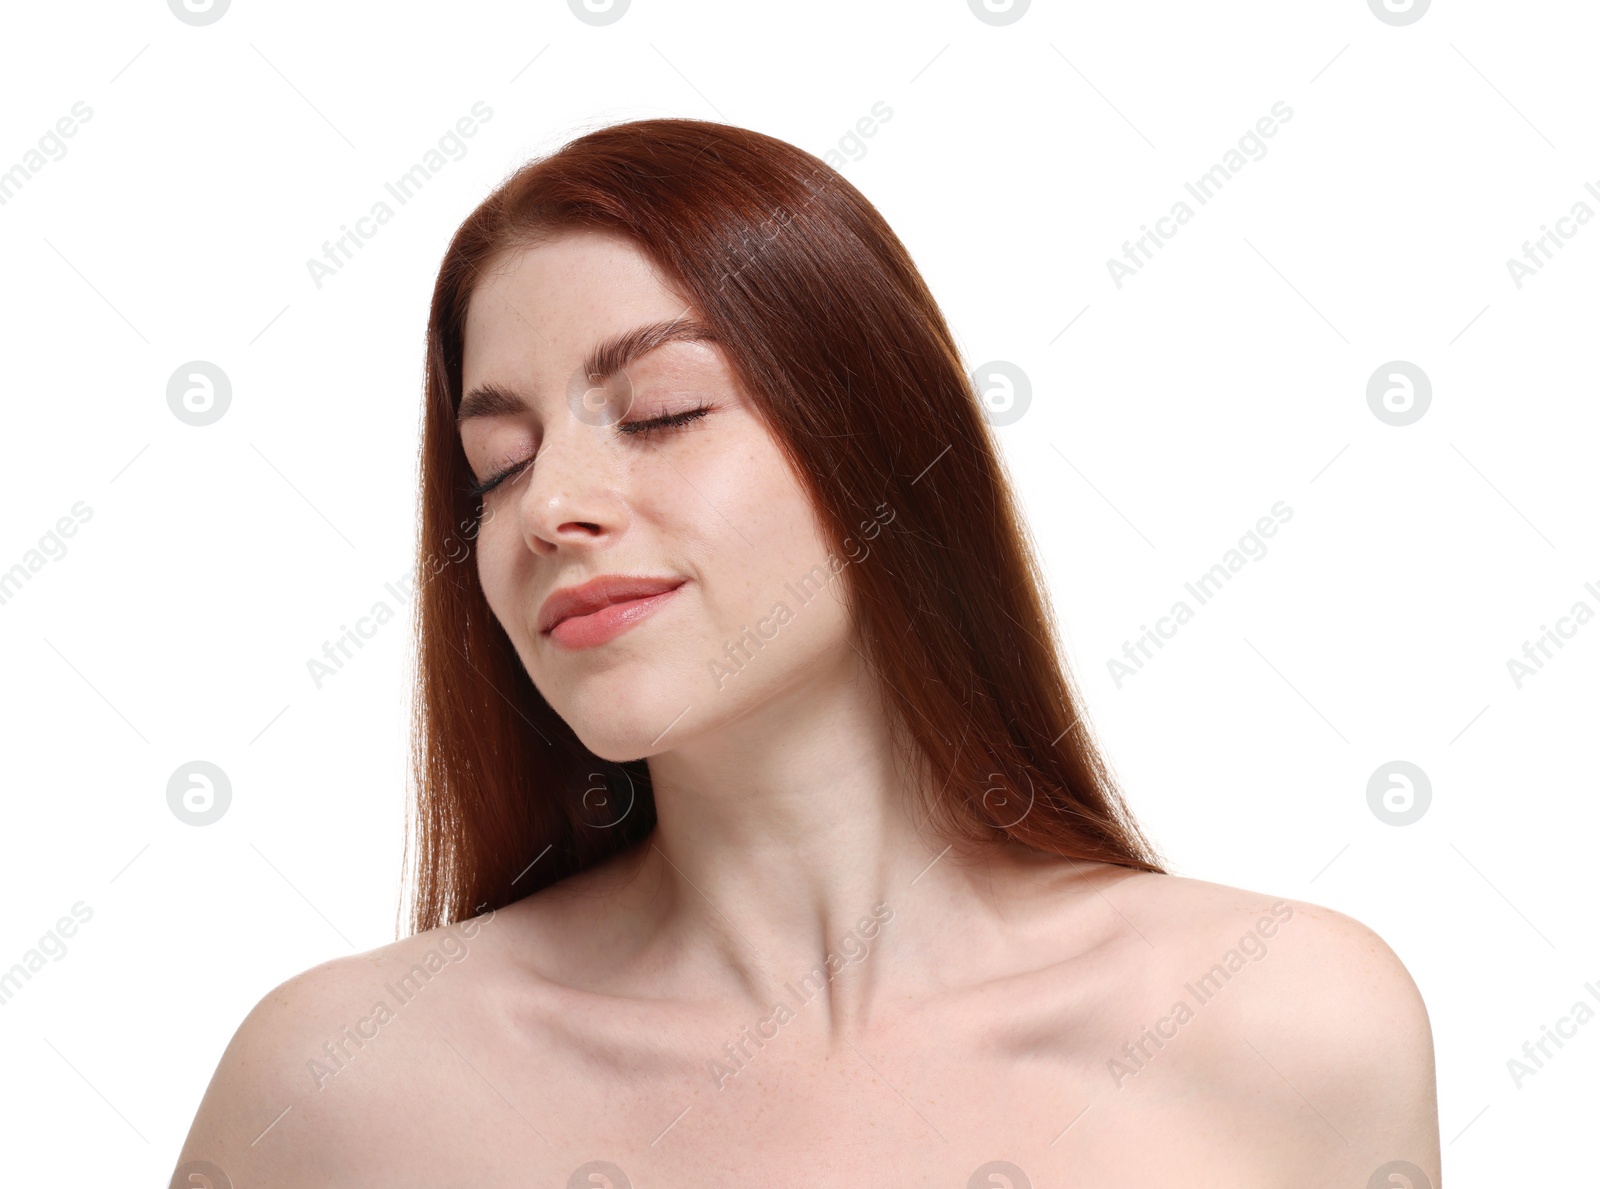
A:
[586,631]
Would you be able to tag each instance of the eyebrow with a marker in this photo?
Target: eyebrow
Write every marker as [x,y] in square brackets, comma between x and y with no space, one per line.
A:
[608,357]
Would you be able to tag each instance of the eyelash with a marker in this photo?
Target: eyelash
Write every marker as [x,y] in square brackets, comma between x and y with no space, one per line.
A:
[643,429]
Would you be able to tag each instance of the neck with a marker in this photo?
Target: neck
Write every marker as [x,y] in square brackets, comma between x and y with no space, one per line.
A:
[787,856]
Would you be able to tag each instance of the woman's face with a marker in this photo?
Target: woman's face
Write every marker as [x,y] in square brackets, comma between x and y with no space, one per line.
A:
[709,503]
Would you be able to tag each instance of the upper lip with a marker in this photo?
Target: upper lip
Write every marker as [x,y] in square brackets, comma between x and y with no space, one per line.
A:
[600,592]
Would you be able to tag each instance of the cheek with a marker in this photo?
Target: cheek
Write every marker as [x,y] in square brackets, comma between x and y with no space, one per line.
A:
[502,575]
[766,564]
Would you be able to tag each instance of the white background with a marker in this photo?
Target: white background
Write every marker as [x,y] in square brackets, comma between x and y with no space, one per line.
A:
[1167,416]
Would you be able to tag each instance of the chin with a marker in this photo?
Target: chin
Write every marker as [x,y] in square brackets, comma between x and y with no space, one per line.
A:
[620,748]
[618,727]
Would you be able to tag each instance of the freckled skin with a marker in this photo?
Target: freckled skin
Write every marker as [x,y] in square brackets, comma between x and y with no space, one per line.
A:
[940,1014]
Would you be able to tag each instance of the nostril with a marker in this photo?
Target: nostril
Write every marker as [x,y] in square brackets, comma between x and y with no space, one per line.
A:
[571,530]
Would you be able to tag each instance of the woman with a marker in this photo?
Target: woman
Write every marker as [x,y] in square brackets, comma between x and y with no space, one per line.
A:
[759,837]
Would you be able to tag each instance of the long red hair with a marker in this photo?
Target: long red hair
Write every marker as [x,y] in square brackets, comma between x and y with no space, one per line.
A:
[831,331]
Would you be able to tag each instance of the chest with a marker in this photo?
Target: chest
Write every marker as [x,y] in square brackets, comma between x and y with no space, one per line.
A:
[987,1099]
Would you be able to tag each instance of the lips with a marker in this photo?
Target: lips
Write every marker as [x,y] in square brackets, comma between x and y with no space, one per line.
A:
[597,593]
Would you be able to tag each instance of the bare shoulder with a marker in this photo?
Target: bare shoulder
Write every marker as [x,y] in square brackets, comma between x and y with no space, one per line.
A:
[1290,1012]
[310,1087]
[1332,962]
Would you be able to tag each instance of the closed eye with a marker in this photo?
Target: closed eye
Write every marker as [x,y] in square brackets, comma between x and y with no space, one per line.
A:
[644,429]
[668,421]
[480,490]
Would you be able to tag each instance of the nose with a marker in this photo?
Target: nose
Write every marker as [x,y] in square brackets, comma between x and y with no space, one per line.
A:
[572,497]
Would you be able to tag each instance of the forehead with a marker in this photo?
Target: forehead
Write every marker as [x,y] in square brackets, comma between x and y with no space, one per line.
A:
[539,309]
